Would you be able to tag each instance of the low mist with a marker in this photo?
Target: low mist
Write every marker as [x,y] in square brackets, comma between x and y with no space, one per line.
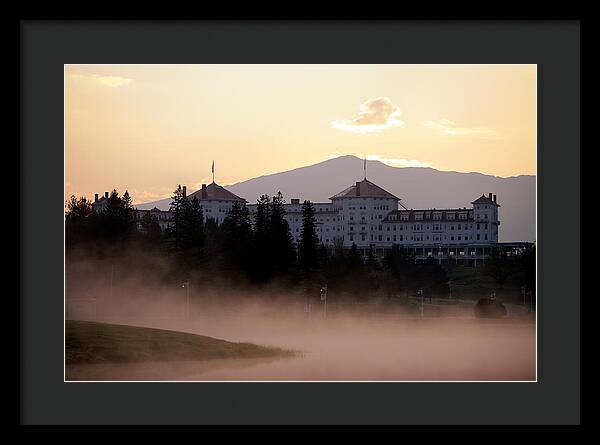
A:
[351,341]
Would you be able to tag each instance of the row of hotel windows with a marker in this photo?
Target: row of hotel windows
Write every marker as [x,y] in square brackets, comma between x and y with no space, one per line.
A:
[419,216]
[415,227]
[363,218]
[418,238]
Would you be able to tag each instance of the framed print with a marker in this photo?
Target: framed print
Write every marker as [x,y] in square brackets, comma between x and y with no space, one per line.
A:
[250,217]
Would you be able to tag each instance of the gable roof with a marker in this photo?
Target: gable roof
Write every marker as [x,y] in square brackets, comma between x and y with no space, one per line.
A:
[366,189]
[215,192]
[485,200]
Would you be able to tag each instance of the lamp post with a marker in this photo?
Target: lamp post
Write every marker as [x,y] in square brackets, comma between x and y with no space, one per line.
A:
[186,284]
[324,300]
[420,292]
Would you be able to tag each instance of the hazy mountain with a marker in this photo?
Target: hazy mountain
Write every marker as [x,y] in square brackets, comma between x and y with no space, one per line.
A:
[417,187]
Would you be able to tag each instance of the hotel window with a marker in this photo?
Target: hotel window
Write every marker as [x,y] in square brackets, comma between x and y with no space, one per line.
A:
[486,236]
[380,238]
[362,237]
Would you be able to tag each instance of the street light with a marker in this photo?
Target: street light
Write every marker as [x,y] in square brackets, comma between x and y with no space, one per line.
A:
[420,292]
[324,300]
[186,284]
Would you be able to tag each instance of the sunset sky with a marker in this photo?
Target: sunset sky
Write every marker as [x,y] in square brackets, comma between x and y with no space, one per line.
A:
[147,128]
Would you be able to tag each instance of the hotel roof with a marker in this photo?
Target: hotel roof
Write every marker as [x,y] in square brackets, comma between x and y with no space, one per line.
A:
[214,191]
[485,200]
[364,189]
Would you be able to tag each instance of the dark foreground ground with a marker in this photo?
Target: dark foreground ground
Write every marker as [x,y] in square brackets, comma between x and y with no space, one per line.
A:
[104,343]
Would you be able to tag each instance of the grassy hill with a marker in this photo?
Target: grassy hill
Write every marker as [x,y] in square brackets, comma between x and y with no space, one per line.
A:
[91,342]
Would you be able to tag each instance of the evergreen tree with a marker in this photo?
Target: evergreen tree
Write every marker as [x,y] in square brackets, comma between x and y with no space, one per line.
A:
[117,217]
[281,244]
[175,208]
[191,221]
[309,242]
[237,236]
[354,259]
[78,208]
[261,267]
[151,226]
[78,220]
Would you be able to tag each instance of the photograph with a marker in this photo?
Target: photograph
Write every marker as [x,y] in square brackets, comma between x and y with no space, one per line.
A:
[300,223]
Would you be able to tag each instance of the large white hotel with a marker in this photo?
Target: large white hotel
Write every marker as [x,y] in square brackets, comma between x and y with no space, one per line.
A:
[374,219]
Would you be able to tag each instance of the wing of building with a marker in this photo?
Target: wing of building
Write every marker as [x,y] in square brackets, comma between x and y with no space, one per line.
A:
[370,217]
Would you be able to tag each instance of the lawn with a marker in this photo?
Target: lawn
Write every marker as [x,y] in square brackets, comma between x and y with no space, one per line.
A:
[91,342]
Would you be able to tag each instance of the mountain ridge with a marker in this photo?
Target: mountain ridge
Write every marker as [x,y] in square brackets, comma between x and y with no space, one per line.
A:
[419,187]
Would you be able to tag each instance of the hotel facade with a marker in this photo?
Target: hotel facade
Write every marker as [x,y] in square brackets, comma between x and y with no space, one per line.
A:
[374,220]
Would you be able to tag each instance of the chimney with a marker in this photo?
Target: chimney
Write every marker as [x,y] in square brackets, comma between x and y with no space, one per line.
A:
[106,195]
[203,191]
[358,189]
[490,196]
[494,198]
[184,191]
[96,197]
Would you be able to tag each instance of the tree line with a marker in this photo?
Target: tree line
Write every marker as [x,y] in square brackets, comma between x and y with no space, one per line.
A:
[255,251]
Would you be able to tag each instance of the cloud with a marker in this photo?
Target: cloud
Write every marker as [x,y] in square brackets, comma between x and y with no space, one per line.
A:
[143,196]
[107,81]
[375,115]
[395,162]
[449,127]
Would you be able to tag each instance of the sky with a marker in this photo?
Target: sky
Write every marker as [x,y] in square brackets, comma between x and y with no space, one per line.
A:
[147,128]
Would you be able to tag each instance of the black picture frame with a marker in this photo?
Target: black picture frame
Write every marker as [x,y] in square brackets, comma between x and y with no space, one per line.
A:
[47,45]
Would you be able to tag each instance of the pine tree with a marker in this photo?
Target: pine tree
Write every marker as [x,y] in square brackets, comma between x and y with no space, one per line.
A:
[78,220]
[116,219]
[237,236]
[309,242]
[151,226]
[78,208]
[261,268]
[127,210]
[281,241]
[176,211]
[191,224]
